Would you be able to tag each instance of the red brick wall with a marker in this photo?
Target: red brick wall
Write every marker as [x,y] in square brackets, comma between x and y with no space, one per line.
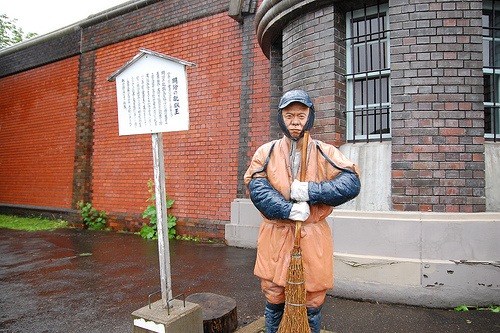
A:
[36,159]
[200,164]
[228,88]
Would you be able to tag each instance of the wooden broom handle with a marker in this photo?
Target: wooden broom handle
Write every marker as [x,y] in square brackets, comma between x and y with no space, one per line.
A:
[303,163]
[302,178]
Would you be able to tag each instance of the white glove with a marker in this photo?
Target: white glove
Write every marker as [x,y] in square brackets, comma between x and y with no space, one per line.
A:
[300,211]
[299,191]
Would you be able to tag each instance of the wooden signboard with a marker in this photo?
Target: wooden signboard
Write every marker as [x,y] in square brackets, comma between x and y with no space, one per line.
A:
[152,94]
[152,98]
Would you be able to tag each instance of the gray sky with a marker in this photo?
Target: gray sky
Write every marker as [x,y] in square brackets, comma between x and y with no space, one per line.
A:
[49,15]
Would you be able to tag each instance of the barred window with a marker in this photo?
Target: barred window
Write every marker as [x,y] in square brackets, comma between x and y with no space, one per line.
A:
[368,74]
[491,68]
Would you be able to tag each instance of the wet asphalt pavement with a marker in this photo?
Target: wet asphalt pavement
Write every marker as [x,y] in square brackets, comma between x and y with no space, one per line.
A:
[74,280]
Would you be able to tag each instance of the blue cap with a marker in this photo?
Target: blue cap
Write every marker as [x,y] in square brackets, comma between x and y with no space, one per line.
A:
[295,96]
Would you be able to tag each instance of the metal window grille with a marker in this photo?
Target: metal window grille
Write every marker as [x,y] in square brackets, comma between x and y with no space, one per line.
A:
[491,69]
[368,74]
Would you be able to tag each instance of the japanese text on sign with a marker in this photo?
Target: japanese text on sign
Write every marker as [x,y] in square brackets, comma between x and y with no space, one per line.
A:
[150,100]
[152,97]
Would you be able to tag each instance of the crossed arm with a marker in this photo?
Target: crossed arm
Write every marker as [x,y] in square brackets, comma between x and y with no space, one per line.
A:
[273,205]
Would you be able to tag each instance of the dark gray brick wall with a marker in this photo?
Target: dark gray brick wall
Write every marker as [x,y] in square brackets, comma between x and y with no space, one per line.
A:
[98,33]
[437,111]
[59,48]
[155,17]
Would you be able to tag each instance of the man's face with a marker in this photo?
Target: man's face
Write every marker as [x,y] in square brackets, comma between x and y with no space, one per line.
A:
[295,117]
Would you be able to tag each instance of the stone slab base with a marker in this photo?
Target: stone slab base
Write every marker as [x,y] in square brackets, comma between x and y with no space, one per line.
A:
[188,319]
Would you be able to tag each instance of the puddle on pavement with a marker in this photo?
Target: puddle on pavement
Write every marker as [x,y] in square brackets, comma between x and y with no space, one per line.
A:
[99,278]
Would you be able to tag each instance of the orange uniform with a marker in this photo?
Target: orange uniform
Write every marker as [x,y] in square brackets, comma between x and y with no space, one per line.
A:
[276,235]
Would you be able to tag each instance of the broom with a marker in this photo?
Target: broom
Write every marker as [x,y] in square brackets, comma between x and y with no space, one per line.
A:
[295,312]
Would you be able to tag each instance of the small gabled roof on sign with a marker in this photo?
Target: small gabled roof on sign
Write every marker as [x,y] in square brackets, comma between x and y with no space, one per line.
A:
[141,54]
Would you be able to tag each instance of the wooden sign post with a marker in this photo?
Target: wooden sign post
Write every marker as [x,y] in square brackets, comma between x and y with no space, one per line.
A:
[152,98]
[161,218]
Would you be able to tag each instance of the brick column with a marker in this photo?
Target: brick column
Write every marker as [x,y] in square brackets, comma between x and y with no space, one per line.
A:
[84,130]
[276,89]
[245,101]
[437,111]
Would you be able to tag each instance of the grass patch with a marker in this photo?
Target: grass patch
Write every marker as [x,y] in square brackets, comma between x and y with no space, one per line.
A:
[30,223]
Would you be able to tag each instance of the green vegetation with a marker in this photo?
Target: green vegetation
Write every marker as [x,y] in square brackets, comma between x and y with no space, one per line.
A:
[30,223]
[188,238]
[93,219]
[491,308]
[149,231]
[10,33]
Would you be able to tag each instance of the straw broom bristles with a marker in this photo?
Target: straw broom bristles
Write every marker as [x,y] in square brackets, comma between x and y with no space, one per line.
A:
[295,314]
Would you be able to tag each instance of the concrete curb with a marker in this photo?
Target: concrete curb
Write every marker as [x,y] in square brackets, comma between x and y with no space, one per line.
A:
[255,327]
[258,326]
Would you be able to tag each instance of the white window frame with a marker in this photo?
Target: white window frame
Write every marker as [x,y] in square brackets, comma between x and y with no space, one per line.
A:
[495,72]
[350,77]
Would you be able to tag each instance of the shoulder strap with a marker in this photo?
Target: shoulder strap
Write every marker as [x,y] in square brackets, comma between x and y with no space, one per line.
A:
[267,160]
[330,161]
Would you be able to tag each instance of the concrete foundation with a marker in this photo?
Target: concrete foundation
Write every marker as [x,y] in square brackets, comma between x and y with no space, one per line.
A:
[374,161]
[188,319]
[417,258]
[492,188]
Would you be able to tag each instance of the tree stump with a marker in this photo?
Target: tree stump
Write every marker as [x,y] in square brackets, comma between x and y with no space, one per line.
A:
[219,312]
